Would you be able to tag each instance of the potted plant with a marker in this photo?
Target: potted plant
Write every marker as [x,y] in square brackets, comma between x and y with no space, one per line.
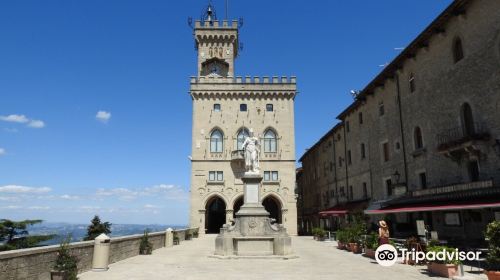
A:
[371,245]
[318,234]
[445,268]
[341,239]
[66,264]
[412,243]
[356,231]
[492,235]
[145,247]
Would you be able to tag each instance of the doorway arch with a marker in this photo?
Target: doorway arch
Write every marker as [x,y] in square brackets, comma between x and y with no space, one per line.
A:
[273,206]
[215,214]
[237,205]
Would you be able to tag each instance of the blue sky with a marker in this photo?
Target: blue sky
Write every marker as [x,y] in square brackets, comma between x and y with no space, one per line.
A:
[95,116]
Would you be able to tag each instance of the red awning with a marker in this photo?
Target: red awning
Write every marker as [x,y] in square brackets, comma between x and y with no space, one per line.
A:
[340,210]
[434,207]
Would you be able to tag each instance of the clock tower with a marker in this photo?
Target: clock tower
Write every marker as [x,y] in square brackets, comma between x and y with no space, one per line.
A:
[217,45]
[226,107]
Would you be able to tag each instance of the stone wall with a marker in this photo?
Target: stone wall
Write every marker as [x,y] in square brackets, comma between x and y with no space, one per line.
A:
[36,263]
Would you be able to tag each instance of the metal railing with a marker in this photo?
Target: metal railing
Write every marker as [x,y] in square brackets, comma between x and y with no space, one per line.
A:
[458,135]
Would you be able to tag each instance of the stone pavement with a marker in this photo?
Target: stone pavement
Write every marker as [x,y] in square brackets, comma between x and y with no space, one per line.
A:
[318,260]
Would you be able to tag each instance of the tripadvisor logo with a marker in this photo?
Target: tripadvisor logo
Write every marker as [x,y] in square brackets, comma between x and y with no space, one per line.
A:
[387,255]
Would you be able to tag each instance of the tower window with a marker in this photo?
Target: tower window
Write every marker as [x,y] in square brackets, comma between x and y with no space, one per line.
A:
[411,82]
[423,180]
[243,107]
[360,116]
[270,141]
[349,159]
[363,152]
[347,127]
[458,51]
[216,107]
[216,141]
[269,107]
[385,150]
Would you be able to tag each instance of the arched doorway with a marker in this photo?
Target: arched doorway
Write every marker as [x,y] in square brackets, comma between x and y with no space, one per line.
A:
[237,205]
[467,120]
[215,211]
[273,206]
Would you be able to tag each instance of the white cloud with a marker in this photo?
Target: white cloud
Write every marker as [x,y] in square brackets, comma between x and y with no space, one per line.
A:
[169,192]
[39,207]
[103,116]
[23,189]
[22,119]
[15,118]
[36,124]
[11,207]
[2,151]
[69,197]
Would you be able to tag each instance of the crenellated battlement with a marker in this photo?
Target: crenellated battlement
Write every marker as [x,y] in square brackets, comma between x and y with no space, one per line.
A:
[222,24]
[244,80]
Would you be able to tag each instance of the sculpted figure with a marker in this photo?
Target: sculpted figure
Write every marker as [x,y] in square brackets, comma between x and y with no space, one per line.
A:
[251,147]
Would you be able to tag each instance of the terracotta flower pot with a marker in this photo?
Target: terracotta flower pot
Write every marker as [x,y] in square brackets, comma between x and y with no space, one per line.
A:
[355,248]
[370,253]
[492,275]
[444,270]
[340,245]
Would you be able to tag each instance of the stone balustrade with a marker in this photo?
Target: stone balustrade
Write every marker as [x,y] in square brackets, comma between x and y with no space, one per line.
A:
[36,263]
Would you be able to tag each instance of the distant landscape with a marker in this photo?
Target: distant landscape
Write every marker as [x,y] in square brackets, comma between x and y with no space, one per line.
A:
[78,231]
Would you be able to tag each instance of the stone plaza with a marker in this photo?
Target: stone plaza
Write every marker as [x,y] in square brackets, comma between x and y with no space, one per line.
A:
[318,260]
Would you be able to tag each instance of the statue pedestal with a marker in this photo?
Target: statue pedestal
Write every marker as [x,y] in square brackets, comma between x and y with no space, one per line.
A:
[253,234]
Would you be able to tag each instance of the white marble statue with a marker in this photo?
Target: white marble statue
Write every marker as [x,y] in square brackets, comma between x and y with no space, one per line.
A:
[251,147]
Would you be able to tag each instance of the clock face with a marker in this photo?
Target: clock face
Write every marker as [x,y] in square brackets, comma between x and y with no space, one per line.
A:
[215,68]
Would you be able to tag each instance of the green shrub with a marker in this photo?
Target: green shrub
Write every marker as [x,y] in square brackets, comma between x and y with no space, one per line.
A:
[319,232]
[65,261]
[492,235]
[371,241]
[341,236]
[438,249]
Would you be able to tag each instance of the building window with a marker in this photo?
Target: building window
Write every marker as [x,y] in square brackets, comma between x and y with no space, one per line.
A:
[349,159]
[417,138]
[385,150]
[216,141]
[216,176]
[269,107]
[365,190]
[381,110]
[242,135]
[467,120]
[271,176]
[473,167]
[243,107]
[411,82]
[388,185]
[360,117]
[347,127]
[423,180]
[340,162]
[339,137]
[452,219]
[363,152]
[270,145]
[398,146]
[216,107]
[458,51]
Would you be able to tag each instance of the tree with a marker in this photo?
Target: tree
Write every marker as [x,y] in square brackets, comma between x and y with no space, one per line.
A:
[14,235]
[96,227]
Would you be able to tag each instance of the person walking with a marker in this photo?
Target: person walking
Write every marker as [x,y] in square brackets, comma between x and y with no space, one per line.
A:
[383,233]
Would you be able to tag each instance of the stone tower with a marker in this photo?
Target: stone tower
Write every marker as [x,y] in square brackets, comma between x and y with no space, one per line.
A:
[225,108]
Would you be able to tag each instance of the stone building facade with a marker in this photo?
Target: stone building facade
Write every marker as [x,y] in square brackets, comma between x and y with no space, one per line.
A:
[226,109]
[422,140]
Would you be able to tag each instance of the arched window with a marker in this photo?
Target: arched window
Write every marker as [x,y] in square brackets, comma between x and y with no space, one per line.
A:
[467,120]
[216,141]
[411,82]
[417,138]
[458,51]
[270,145]
[242,134]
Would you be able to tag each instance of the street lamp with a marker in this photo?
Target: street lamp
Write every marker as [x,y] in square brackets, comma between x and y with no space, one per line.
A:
[396,176]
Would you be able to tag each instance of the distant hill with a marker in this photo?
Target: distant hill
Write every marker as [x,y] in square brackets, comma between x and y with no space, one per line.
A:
[78,231]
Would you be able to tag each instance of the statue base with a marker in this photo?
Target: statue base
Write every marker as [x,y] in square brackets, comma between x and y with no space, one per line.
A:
[253,234]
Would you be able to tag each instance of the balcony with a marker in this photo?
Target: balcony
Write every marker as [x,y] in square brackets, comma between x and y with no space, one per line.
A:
[460,139]
[238,155]
[471,186]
